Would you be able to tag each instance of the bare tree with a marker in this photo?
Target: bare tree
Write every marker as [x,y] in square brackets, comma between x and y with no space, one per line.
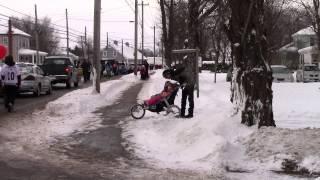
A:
[48,39]
[252,80]
[199,10]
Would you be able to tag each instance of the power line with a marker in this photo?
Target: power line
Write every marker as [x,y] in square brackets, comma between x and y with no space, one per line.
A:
[14,10]
[4,25]
[33,18]
[130,6]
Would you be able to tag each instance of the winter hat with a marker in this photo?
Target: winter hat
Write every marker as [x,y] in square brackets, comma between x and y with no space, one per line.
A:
[167,72]
[9,60]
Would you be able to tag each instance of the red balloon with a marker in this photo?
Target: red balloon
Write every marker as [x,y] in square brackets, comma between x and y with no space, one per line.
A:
[3,51]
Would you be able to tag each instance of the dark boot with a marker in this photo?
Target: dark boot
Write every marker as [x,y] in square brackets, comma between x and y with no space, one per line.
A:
[190,113]
[182,113]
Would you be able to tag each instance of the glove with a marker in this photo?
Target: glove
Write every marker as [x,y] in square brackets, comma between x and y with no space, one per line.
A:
[183,85]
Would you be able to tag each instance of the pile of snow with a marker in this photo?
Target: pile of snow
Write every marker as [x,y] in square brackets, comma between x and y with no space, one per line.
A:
[197,143]
[273,146]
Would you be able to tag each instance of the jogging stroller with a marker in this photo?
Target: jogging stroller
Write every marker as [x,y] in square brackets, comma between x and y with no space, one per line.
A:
[165,104]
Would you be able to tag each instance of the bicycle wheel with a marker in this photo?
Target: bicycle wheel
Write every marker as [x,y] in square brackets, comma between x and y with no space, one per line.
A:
[174,110]
[137,111]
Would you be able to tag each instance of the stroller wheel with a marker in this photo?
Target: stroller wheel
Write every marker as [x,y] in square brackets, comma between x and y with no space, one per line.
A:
[137,111]
[174,110]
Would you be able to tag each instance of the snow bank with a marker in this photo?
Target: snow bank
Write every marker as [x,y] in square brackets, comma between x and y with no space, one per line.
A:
[73,112]
[272,146]
[203,142]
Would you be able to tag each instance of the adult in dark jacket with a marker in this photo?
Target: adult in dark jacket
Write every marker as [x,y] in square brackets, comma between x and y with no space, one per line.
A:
[11,80]
[86,70]
[186,80]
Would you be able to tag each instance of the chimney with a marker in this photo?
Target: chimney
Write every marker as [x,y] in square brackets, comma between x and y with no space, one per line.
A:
[127,44]
[115,42]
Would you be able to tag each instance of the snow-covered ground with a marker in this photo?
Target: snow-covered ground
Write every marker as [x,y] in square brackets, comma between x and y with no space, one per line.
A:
[215,140]
[210,142]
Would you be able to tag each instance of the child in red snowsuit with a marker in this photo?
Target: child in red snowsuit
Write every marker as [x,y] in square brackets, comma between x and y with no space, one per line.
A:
[167,90]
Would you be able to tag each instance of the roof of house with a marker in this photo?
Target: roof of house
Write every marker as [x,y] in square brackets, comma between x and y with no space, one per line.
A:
[309,49]
[30,52]
[4,30]
[63,52]
[128,52]
[306,31]
[289,48]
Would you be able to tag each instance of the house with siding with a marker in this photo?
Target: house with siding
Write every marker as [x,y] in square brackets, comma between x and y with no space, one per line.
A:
[121,53]
[21,51]
[302,49]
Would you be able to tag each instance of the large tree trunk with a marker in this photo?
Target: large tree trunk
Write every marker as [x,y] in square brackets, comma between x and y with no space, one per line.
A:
[167,15]
[252,80]
[193,24]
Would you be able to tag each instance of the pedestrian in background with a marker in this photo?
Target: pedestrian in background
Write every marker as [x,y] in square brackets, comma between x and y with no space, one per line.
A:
[85,70]
[11,81]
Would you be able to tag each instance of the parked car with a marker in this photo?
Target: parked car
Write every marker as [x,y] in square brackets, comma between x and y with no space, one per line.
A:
[281,73]
[33,79]
[308,73]
[63,69]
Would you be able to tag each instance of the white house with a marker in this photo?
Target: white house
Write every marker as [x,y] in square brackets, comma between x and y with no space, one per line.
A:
[121,53]
[302,50]
[21,51]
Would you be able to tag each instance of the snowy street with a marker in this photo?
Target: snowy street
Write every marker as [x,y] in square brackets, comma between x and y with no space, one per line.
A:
[92,136]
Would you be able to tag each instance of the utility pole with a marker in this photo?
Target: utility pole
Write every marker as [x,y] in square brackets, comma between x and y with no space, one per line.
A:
[10,38]
[142,30]
[36,32]
[83,54]
[67,25]
[135,36]
[96,45]
[107,40]
[162,53]
[86,44]
[154,47]
[122,52]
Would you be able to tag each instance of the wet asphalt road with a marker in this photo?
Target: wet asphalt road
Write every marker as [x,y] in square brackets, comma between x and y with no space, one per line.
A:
[96,154]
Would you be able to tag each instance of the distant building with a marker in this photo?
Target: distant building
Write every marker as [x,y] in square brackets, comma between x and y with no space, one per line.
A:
[121,53]
[21,46]
[302,49]
[158,61]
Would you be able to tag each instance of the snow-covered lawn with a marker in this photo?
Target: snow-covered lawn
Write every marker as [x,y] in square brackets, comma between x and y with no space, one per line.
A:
[215,140]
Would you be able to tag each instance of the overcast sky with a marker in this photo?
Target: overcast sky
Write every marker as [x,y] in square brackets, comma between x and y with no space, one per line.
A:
[115,16]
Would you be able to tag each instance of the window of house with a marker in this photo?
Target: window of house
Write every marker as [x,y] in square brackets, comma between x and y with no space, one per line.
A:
[114,53]
[5,40]
[20,43]
[315,57]
[312,41]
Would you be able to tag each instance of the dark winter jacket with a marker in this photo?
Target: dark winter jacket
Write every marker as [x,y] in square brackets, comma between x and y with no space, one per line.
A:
[183,75]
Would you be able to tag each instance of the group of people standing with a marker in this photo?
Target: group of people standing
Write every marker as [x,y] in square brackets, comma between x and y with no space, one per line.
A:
[10,78]
[86,70]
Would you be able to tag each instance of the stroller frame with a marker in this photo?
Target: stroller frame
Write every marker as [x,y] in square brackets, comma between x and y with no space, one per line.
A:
[166,104]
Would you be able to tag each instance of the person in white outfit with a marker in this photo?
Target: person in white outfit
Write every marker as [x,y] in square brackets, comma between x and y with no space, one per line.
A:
[10,80]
